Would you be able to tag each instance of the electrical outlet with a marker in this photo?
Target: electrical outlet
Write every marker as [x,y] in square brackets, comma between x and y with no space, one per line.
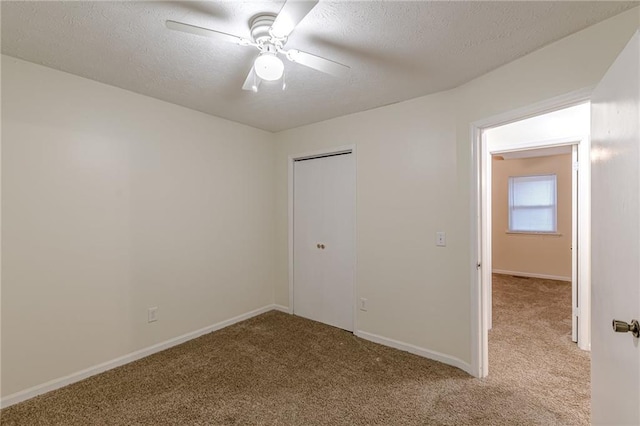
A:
[152,314]
[441,239]
[363,304]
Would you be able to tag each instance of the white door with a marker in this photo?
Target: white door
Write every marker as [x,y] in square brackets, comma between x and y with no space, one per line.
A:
[615,132]
[324,239]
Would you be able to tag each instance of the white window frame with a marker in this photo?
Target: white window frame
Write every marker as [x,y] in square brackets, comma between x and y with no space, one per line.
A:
[554,206]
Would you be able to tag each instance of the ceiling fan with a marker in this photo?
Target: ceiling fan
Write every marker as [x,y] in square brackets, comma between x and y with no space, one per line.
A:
[269,34]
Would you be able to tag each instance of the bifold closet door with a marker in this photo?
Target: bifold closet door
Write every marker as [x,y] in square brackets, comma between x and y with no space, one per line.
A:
[324,238]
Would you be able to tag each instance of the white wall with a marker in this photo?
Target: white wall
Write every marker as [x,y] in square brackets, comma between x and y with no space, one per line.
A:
[405,166]
[414,178]
[562,124]
[113,202]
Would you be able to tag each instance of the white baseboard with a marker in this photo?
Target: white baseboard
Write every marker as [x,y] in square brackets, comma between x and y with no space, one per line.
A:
[532,275]
[426,353]
[282,308]
[125,359]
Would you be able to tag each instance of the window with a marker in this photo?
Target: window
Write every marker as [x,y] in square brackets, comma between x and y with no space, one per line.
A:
[532,203]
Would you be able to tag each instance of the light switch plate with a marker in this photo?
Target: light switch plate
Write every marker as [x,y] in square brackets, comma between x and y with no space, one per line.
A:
[441,239]
[152,314]
[363,304]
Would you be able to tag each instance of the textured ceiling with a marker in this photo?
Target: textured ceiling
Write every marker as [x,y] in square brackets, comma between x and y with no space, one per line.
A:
[397,50]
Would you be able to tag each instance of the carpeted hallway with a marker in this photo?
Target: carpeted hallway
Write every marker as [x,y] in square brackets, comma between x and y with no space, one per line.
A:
[530,348]
[277,369]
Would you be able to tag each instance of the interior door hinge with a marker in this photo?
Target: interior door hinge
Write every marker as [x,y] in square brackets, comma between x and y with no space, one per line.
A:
[576,311]
[576,166]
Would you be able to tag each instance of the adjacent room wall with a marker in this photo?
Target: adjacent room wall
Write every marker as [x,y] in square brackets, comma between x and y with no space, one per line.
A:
[112,203]
[533,254]
[414,178]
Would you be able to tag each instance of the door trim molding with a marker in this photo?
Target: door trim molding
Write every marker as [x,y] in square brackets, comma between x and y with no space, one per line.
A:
[480,248]
[343,149]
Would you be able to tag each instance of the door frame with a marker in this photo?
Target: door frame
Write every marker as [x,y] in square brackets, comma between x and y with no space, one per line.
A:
[343,149]
[480,246]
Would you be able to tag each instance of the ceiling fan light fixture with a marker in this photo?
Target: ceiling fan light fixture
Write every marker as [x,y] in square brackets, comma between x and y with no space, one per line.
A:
[269,34]
[268,66]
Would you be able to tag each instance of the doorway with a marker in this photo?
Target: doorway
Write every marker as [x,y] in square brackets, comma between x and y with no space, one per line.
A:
[533,287]
[560,125]
[322,226]
[533,199]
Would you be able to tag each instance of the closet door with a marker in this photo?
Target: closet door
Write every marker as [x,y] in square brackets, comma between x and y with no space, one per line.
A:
[324,238]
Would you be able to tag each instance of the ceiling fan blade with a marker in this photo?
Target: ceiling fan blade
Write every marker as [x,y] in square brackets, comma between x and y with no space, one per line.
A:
[318,63]
[290,15]
[205,32]
[252,82]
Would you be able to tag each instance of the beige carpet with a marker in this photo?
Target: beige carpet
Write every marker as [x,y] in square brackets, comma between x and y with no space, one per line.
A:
[277,369]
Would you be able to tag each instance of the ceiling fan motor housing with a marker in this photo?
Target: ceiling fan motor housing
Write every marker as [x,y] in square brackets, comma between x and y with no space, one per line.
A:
[260,25]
